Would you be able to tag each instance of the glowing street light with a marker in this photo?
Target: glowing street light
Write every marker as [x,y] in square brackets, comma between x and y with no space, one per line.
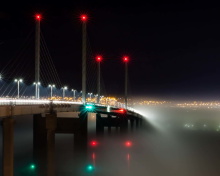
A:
[96,97]
[18,81]
[51,87]
[74,94]
[64,88]
[37,85]
[90,95]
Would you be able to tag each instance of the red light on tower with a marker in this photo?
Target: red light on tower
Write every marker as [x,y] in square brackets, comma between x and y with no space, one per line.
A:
[83,17]
[99,58]
[125,58]
[38,17]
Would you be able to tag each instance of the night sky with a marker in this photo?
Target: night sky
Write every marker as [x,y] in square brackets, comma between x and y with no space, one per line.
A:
[174,47]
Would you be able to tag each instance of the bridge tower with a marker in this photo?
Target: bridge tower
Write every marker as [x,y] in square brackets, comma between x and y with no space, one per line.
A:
[98,59]
[125,59]
[84,19]
[37,56]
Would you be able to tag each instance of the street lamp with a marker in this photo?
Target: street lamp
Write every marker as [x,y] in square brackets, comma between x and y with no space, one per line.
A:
[64,88]
[96,97]
[90,95]
[18,81]
[51,87]
[37,85]
[74,94]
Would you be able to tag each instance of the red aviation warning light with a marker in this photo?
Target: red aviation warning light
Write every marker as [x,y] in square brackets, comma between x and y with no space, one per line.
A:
[38,17]
[99,58]
[83,17]
[125,59]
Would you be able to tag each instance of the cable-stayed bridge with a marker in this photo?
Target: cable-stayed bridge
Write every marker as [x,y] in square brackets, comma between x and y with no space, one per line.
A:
[49,108]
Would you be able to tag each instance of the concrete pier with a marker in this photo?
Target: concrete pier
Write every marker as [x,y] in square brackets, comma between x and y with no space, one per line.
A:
[8,146]
[51,124]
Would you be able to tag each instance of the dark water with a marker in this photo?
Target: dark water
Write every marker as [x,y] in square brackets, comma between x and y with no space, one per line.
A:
[171,149]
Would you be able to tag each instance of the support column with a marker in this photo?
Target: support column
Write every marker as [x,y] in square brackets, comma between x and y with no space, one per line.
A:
[99,125]
[81,134]
[137,123]
[51,124]
[123,124]
[109,124]
[8,146]
[132,124]
[40,144]
[84,61]
[37,56]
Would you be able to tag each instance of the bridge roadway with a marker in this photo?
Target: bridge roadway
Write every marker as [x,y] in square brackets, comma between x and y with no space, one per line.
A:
[16,107]
[46,124]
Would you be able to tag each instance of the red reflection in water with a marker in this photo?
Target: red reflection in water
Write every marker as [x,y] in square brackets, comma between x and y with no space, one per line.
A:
[93,158]
[128,161]
[93,143]
[128,143]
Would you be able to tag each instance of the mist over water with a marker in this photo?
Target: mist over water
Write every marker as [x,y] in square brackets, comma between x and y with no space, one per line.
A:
[168,148]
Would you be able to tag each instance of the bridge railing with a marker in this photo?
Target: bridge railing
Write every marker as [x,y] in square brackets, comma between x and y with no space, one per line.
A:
[33,102]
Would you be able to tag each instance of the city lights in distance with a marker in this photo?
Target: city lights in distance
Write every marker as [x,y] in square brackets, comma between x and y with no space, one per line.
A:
[83,17]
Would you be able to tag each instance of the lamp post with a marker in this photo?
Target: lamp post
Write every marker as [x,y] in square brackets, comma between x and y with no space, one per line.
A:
[37,88]
[96,97]
[74,94]
[64,88]
[18,81]
[101,98]
[90,95]
[51,91]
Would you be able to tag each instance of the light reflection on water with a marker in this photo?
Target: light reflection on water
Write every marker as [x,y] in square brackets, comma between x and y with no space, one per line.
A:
[169,150]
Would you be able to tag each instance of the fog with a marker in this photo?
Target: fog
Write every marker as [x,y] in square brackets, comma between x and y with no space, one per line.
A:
[178,142]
